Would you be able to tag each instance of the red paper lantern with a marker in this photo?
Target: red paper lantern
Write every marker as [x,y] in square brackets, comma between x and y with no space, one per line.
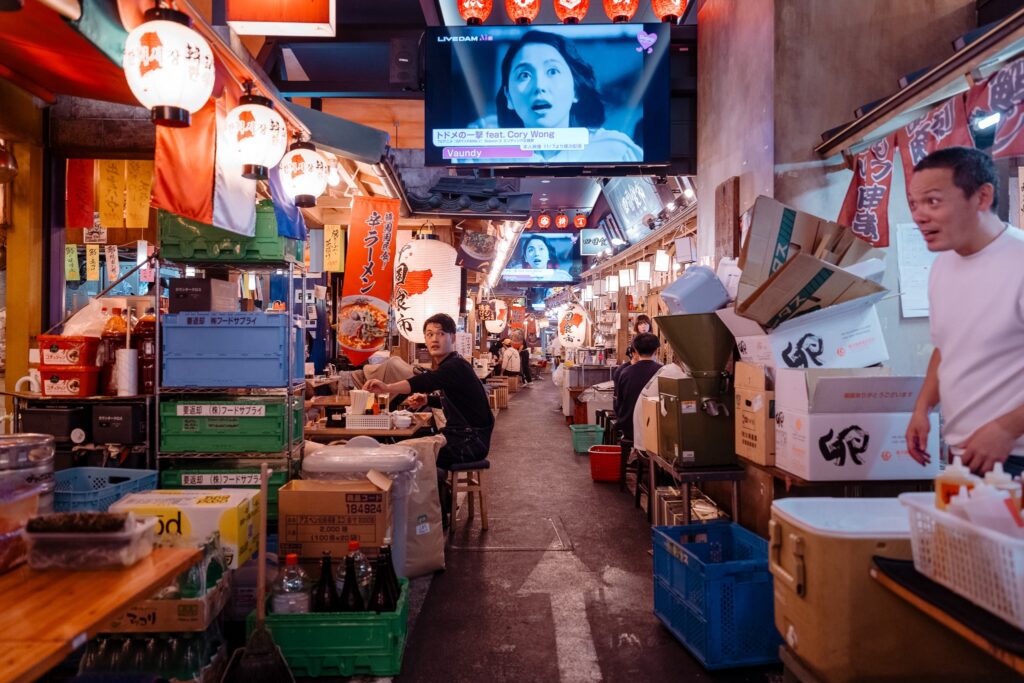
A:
[475,12]
[579,220]
[522,11]
[561,221]
[669,10]
[544,221]
[621,11]
[571,11]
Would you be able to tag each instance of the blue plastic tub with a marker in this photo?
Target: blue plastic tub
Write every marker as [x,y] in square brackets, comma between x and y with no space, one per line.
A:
[94,489]
[713,590]
[223,350]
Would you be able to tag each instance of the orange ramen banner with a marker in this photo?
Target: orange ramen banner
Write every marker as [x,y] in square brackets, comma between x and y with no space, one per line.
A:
[369,278]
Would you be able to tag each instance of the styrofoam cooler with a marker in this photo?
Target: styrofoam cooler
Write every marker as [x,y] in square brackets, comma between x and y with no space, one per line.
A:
[213,349]
[841,623]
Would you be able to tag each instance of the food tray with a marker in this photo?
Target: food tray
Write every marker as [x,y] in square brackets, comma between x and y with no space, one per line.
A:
[368,422]
[983,565]
[94,489]
[92,551]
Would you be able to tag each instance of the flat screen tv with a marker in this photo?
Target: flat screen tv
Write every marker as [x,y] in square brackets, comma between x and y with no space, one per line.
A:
[563,95]
[544,258]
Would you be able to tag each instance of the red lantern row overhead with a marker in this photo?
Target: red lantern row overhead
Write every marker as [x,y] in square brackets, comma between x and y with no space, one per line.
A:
[522,11]
[621,11]
[669,10]
[579,220]
[571,11]
[561,221]
[475,12]
[544,221]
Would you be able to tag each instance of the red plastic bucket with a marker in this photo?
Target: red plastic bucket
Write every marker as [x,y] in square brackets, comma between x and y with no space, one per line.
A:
[605,462]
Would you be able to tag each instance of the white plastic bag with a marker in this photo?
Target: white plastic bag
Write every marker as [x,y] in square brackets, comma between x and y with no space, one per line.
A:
[557,375]
[87,322]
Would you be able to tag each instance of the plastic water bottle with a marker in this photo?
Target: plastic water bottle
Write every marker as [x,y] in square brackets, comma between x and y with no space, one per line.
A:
[364,572]
[291,592]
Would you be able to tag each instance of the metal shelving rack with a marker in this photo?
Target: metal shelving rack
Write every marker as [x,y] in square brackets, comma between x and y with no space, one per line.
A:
[292,453]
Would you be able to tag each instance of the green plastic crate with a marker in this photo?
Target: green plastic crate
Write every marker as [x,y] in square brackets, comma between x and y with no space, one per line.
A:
[222,476]
[186,240]
[185,429]
[585,436]
[343,643]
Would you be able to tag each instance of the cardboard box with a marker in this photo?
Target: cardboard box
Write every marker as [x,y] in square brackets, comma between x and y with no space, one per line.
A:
[848,335]
[156,616]
[848,425]
[651,415]
[323,516]
[190,516]
[755,414]
[779,233]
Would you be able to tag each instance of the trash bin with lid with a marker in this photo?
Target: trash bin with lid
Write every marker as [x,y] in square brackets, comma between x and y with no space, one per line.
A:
[357,457]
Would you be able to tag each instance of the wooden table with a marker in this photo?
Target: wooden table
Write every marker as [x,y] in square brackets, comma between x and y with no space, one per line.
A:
[45,615]
[322,434]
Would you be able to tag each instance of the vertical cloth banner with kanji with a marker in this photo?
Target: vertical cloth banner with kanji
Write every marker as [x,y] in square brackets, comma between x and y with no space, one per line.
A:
[1003,94]
[517,317]
[369,272]
[866,207]
[944,126]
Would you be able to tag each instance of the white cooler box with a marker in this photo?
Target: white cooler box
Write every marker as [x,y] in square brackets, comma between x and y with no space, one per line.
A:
[839,621]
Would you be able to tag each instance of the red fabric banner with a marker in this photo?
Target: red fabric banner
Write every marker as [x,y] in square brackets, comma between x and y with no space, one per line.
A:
[517,317]
[369,271]
[184,168]
[79,197]
[1002,93]
[866,207]
[944,126]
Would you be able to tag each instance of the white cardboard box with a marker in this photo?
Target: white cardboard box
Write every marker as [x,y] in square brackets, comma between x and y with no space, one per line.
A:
[848,425]
[846,335]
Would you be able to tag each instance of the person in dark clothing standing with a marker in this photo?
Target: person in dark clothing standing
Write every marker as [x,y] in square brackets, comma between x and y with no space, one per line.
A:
[524,364]
[632,379]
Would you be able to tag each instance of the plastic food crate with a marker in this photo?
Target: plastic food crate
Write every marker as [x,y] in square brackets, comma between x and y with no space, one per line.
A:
[230,350]
[713,590]
[344,643]
[227,477]
[585,436]
[605,462]
[185,240]
[92,550]
[983,565]
[82,489]
[250,425]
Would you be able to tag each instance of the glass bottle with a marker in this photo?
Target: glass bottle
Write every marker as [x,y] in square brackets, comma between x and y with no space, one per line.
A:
[383,597]
[364,572]
[389,565]
[144,340]
[351,598]
[325,593]
[113,337]
[291,593]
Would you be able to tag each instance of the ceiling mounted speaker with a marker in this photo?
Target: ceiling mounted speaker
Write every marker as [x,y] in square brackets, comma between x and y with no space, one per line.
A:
[404,68]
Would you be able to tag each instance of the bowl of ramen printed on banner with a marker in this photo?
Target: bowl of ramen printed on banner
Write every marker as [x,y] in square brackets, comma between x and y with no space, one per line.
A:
[362,323]
[478,245]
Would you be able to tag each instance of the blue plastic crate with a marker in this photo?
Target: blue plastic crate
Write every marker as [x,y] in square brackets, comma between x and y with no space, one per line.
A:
[713,590]
[217,350]
[94,489]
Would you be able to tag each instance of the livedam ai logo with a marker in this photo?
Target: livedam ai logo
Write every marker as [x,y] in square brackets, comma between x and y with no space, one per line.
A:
[463,39]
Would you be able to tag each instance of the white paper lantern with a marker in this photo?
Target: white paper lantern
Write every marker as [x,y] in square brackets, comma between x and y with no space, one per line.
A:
[643,271]
[257,136]
[427,282]
[661,261]
[612,284]
[169,67]
[496,325]
[626,277]
[588,293]
[303,174]
[572,327]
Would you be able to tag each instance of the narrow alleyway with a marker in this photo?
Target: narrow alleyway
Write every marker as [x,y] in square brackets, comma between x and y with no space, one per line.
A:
[559,588]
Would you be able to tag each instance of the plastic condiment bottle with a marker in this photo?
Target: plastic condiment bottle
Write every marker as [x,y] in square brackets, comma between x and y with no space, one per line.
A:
[949,482]
[1002,481]
[144,339]
[114,337]
[956,503]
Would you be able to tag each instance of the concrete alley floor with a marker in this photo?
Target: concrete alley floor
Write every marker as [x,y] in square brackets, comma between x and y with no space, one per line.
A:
[560,587]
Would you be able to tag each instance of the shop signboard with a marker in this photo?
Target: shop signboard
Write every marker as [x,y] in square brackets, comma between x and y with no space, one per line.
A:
[593,241]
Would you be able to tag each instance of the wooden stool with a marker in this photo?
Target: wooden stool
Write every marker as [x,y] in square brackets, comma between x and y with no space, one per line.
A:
[472,482]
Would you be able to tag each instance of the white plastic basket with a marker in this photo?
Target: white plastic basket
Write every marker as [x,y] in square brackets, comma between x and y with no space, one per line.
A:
[984,566]
[368,422]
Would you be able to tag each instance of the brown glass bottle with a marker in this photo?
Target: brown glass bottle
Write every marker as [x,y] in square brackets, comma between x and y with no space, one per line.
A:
[325,594]
[144,340]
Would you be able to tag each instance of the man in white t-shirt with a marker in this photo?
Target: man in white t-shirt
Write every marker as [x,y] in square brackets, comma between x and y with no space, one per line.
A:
[976,299]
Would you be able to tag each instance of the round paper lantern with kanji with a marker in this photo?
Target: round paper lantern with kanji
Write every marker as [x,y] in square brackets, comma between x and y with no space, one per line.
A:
[572,327]
[561,221]
[303,174]
[669,10]
[256,136]
[580,220]
[544,221]
[475,12]
[522,11]
[496,325]
[427,282]
[621,11]
[169,67]
[571,11]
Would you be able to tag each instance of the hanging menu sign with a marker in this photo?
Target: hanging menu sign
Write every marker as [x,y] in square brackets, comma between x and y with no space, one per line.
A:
[92,262]
[71,262]
[111,192]
[113,262]
[334,249]
[138,188]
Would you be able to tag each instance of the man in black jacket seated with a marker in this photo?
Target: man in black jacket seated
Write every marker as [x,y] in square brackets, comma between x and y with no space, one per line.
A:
[453,387]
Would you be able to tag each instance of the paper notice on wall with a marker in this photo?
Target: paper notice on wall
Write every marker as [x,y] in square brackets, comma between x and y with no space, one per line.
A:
[92,262]
[464,344]
[143,252]
[71,263]
[113,262]
[915,263]
[334,249]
